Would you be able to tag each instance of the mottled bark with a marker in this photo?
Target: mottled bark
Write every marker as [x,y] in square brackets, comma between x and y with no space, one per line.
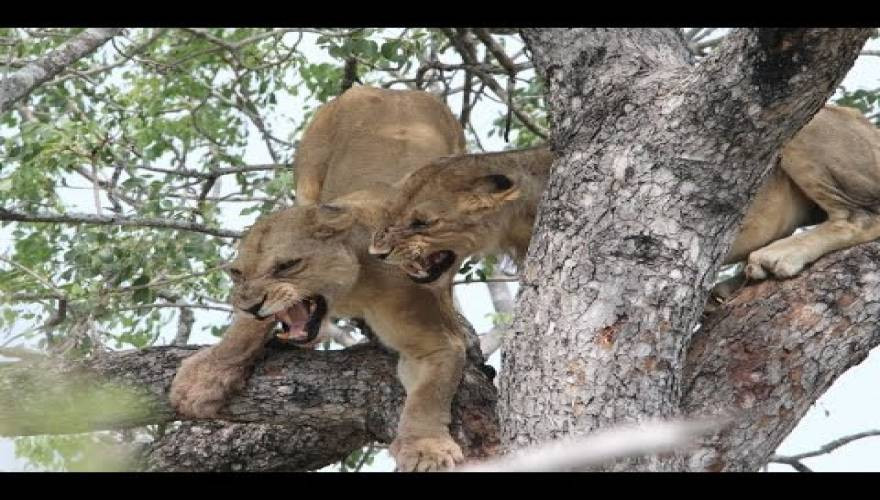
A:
[658,159]
[19,84]
[343,398]
[767,354]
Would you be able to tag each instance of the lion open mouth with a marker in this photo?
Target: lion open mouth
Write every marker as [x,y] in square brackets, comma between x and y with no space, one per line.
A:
[433,266]
[301,322]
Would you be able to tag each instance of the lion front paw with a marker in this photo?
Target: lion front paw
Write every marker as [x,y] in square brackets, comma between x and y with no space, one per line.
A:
[780,262]
[202,386]
[425,454]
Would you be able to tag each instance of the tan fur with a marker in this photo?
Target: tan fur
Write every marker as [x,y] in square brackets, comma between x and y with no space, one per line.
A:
[353,142]
[464,213]
[369,135]
[830,170]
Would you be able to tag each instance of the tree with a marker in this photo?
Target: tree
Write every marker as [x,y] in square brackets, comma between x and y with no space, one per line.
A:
[159,121]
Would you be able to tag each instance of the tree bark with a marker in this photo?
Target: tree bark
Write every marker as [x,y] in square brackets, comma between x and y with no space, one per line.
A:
[769,352]
[20,83]
[658,160]
[337,400]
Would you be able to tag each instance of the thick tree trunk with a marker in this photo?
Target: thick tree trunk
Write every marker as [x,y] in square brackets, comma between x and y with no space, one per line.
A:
[658,159]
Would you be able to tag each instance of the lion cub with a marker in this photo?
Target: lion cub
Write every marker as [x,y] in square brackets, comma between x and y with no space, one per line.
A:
[298,266]
[486,203]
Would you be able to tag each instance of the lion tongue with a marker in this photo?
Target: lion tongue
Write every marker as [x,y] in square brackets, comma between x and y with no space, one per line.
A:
[295,317]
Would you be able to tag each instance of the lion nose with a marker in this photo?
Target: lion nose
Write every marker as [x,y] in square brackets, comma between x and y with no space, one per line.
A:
[255,309]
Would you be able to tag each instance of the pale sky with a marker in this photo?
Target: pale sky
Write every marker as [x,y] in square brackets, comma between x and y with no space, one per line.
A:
[851,405]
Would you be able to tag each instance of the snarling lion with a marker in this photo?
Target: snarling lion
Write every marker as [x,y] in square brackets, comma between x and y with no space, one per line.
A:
[298,266]
[828,174]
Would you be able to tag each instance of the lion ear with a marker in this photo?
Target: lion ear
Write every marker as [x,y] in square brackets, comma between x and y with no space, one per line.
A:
[491,191]
[330,220]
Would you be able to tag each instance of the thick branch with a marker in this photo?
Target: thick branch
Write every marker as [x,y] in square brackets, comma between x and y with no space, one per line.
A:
[19,84]
[115,220]
[774,348]
[774,79]
[337,400]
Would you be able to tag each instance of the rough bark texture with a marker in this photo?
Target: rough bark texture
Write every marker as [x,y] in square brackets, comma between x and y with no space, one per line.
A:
[659,158]
[774,348]
[337,400]
[20,83]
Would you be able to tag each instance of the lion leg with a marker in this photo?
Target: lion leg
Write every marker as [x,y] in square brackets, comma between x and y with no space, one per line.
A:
[788,256]
[206,379]
[431,378]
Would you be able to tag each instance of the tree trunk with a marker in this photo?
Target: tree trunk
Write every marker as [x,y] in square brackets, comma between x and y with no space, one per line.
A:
[658,160]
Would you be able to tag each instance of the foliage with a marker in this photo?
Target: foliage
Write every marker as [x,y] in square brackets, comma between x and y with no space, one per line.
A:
[140,129]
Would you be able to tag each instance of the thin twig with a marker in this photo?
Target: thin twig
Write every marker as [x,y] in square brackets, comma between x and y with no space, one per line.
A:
[827,448]
[159,305]
[461,46]
[115,220]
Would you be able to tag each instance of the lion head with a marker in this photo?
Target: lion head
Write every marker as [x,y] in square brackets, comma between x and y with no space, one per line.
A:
[291,265]
[444,212]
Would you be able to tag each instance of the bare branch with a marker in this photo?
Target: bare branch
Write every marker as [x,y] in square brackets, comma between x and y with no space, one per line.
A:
[159,305]
[827,448]
[796,464]
[464,52]
[496,50]
[115,220]
[19,84]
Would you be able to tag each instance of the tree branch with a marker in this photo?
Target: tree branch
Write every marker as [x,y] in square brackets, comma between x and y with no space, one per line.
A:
[465,51]
[19,84]
[795,460]
[774,348]
[336,400]
[115,220]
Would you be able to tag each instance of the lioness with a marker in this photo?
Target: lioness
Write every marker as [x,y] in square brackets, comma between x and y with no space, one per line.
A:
[485,203]
[299,265]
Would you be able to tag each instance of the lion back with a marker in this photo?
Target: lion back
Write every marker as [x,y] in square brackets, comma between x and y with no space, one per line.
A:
[369,135]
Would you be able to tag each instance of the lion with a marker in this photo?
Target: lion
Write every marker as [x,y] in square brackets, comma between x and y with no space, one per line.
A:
[827,174]
[369,135]
[299,266]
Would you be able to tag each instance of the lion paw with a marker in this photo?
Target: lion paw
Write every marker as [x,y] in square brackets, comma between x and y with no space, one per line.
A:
[202,386]
[425,454]
[782,263]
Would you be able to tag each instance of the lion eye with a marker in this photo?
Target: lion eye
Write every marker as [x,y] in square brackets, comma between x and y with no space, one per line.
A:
[287,265]
[235,273]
